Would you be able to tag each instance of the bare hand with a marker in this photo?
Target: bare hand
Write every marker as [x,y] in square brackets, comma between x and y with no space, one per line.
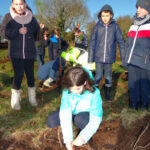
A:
[23,30]
[70,146]
[78,141]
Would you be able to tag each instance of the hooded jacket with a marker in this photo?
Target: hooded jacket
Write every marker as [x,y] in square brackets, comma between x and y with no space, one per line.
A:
[20,46]
[102,47]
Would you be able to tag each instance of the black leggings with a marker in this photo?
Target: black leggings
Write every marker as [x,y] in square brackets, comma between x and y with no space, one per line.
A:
[20,66]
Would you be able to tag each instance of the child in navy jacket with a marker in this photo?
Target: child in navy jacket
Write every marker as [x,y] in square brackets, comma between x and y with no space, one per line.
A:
[102,47]
[137,56]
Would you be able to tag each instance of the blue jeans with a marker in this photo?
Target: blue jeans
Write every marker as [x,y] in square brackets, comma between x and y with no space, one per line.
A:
[139,86]
[106,70]
[49,69]
[80,120]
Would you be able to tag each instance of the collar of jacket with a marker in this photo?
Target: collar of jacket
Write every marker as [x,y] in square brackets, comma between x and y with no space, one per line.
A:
[21,19]
[140,21]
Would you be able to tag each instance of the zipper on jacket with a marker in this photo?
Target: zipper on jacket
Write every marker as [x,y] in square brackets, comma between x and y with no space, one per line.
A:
[23,48]
[105,43]
[145,61]
[130,55]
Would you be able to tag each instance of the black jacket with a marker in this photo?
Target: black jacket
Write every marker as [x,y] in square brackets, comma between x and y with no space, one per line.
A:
[20,46]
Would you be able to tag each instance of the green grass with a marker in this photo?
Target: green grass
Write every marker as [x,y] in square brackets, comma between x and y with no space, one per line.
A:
[33,119]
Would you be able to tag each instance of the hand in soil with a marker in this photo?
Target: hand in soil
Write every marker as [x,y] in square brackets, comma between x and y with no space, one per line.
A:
[78,141]
[70,146]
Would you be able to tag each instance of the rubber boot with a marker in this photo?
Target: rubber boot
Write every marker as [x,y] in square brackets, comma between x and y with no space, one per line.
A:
[15,99]
[32,96]
[107,93]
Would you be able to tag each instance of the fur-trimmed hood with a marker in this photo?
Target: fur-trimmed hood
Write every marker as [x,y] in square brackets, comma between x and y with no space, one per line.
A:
[21,19]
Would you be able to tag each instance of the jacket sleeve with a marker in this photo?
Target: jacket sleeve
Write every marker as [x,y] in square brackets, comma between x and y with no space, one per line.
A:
[36,29]
[7,31]
[121,42]
[95,117]
[65,115]
[92,46]
[125,52]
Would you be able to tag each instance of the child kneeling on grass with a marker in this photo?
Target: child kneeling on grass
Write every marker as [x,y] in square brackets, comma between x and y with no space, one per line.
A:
[81,104]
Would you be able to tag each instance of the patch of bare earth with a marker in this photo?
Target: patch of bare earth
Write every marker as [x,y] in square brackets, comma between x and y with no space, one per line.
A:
[110,136]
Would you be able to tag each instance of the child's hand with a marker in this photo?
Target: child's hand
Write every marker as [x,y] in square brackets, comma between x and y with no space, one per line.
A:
[69,146]
[23,30]
[78,141]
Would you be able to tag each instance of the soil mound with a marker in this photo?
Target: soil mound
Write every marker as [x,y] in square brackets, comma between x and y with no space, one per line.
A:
[110,136]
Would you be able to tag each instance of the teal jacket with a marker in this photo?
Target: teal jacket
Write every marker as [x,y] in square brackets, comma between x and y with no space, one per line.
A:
[74,104]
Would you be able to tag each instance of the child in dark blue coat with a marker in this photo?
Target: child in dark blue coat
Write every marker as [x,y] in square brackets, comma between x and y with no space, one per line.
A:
[81,40]
[137,57]
[54,45]
[102,47]
[41,44]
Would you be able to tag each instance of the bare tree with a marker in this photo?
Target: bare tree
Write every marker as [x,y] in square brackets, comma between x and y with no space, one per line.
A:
[89,28]
[62,14]
[124,23]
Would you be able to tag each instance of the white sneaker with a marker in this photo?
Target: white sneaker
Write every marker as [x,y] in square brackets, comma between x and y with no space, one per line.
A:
[47,82]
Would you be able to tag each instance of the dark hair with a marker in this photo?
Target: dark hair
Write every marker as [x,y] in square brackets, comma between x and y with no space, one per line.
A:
[77,76]
[56,32]
[27,5]
[77,30]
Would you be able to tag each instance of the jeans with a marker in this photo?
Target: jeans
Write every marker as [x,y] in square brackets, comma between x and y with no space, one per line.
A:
[105,69]
[50,69]
[20,66]
[139,86]
[80,120]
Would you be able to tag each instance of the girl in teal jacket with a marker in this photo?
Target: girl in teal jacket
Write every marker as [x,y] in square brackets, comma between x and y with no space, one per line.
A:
[81,104]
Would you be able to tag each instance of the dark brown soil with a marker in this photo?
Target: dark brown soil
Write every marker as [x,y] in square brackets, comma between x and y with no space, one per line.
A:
[110,136]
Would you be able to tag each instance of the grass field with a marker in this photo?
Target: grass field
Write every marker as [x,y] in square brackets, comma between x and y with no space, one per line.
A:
[33,119]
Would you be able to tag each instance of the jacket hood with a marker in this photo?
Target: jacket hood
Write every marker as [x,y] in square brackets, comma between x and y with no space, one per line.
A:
[106,8]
